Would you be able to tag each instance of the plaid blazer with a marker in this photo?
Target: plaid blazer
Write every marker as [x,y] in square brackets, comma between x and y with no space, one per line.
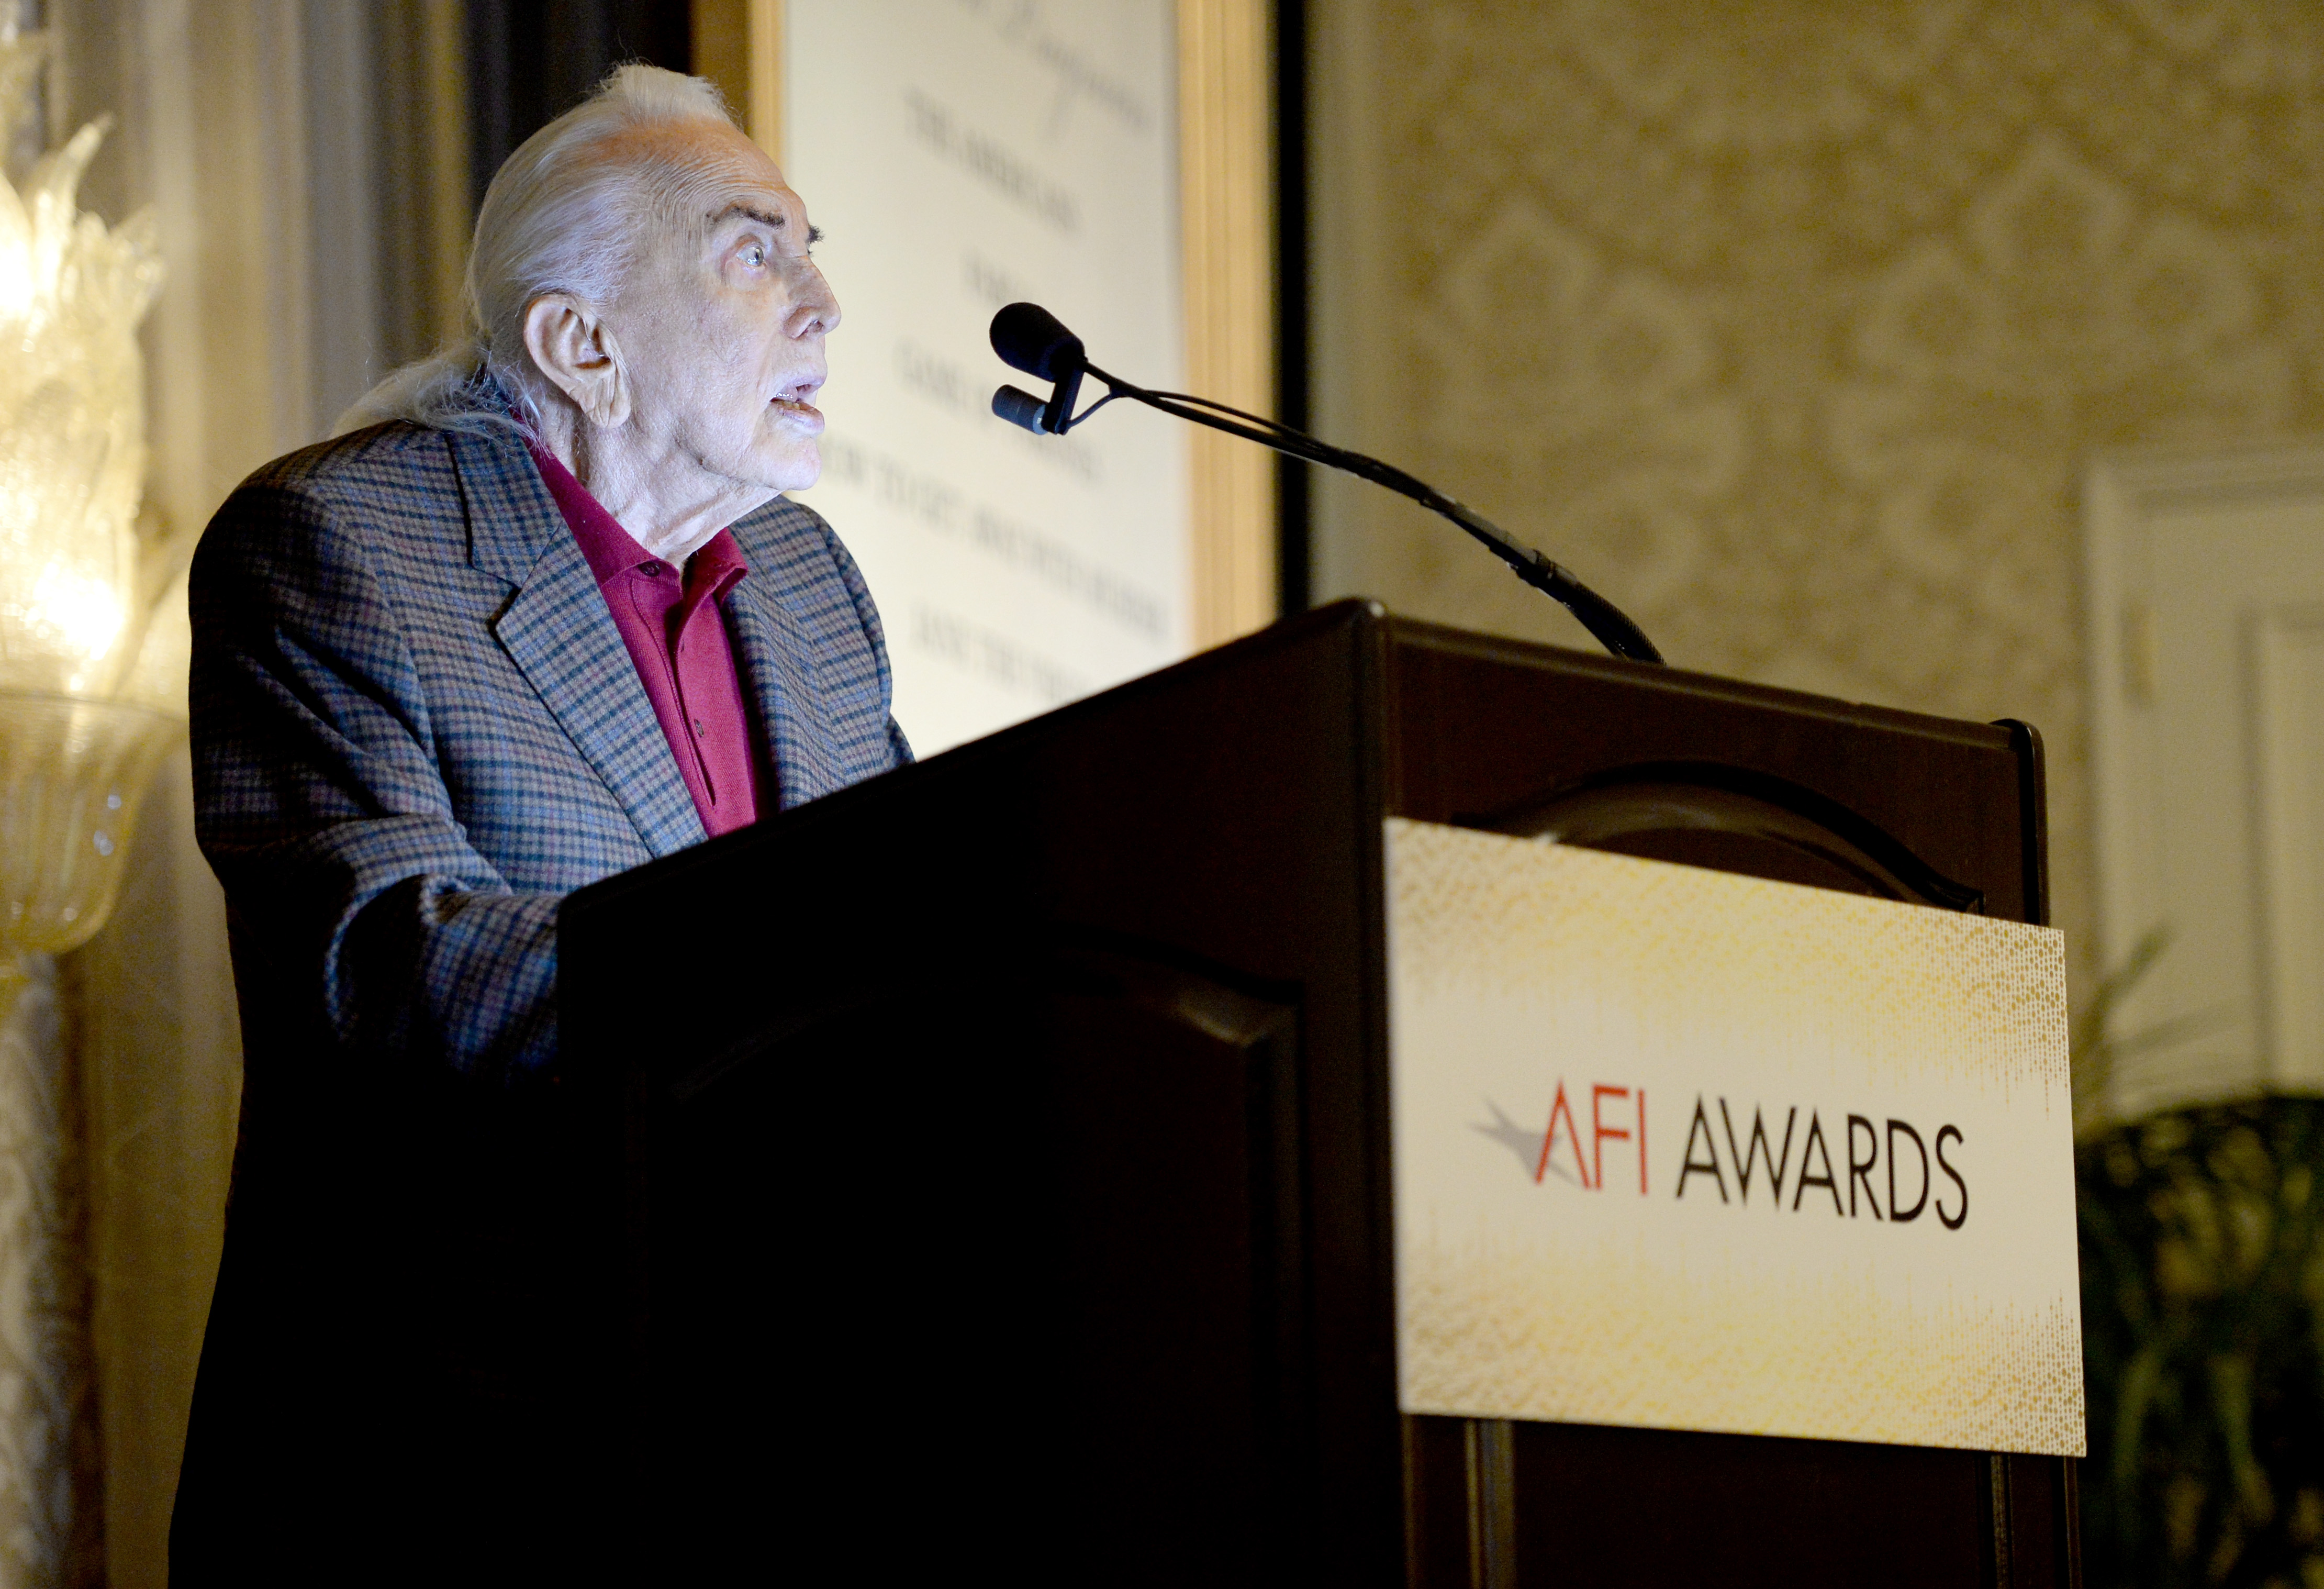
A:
[415,729]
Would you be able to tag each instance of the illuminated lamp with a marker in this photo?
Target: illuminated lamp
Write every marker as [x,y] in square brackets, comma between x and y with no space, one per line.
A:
[93,631]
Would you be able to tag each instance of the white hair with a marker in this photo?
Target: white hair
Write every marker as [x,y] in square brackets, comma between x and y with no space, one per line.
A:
[566,212]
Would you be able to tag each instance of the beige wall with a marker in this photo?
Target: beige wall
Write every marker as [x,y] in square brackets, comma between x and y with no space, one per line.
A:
[1788,324]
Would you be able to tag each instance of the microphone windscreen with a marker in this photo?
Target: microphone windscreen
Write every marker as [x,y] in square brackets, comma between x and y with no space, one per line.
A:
[1030,338]
[1019,407]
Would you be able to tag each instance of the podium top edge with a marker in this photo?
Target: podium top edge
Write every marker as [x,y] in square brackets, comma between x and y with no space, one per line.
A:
[1423,634]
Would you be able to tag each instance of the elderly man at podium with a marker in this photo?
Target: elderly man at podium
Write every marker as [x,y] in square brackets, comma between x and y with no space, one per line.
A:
[542,617]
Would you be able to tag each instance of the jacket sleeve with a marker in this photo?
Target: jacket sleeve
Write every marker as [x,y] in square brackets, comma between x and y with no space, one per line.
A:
[320,804]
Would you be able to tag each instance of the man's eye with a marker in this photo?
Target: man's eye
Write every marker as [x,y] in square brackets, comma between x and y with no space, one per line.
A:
[754,256]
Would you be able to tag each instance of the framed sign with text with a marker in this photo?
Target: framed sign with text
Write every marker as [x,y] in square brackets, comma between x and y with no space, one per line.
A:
[1111,159]
[1684,1149]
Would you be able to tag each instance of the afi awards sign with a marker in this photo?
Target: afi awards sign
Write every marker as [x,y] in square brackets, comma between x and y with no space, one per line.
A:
[1689,1150]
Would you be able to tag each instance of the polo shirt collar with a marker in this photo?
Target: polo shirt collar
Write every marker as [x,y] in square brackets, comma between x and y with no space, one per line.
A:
[612,551]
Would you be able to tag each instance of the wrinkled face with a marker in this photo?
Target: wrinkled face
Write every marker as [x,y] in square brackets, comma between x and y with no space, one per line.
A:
[723,321]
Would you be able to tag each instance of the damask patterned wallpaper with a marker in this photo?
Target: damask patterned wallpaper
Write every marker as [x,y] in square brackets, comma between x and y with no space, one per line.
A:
[1790,323]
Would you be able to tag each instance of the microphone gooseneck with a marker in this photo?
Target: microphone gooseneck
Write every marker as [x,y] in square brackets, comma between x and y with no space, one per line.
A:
[1030,338]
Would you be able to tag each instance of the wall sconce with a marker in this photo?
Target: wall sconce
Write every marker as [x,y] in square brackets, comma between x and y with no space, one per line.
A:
[93,632]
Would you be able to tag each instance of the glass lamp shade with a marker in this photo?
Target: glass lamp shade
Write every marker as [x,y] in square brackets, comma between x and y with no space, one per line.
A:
[86,651]
[72,773]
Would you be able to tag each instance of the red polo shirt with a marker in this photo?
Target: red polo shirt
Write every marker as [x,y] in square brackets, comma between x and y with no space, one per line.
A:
[677,635]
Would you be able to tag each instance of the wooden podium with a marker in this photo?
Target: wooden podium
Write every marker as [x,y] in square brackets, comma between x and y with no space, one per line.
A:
[1006,1170]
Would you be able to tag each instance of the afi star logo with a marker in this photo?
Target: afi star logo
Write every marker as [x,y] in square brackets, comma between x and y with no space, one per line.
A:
[1617,1114]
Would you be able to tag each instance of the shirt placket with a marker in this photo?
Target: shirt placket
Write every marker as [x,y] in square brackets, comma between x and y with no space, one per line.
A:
[661,596]
[686,668]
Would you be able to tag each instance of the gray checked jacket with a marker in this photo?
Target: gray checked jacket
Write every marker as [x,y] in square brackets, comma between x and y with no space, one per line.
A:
[415,729]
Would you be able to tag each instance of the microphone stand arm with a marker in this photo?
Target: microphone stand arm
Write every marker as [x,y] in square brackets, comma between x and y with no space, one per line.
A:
[1608,624]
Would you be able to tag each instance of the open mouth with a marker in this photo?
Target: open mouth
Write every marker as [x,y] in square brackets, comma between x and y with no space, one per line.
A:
[791,401]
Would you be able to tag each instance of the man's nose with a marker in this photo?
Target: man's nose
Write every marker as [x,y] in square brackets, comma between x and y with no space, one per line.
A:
[817,310]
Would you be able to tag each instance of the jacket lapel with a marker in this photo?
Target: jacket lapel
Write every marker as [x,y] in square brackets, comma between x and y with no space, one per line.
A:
[559,633]
[779,667]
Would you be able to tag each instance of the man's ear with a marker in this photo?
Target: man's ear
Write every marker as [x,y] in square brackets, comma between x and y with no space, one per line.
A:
[576,351]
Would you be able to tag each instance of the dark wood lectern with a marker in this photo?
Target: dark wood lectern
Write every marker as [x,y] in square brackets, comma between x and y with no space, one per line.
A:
[1008,1183]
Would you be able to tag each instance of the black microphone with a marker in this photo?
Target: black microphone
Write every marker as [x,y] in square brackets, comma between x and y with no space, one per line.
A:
[1030,338]
[1019,408]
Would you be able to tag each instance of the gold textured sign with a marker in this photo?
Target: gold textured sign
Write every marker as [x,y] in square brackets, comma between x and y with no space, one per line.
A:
[1684,1149]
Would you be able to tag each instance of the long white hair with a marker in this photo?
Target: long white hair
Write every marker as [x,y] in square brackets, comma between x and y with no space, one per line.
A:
[566,212]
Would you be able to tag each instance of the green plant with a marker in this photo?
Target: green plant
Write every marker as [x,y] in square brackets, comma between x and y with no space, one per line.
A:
[2203,1339]
[2202,1321]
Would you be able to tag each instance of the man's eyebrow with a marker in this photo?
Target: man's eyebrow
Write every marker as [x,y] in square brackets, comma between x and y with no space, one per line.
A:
[763,217]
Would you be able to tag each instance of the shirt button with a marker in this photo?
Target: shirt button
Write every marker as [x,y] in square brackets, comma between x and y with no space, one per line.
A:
[650,570]
[698,725]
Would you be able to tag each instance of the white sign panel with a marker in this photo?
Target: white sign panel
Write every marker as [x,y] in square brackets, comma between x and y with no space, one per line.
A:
[1683,1149]
[958,155]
